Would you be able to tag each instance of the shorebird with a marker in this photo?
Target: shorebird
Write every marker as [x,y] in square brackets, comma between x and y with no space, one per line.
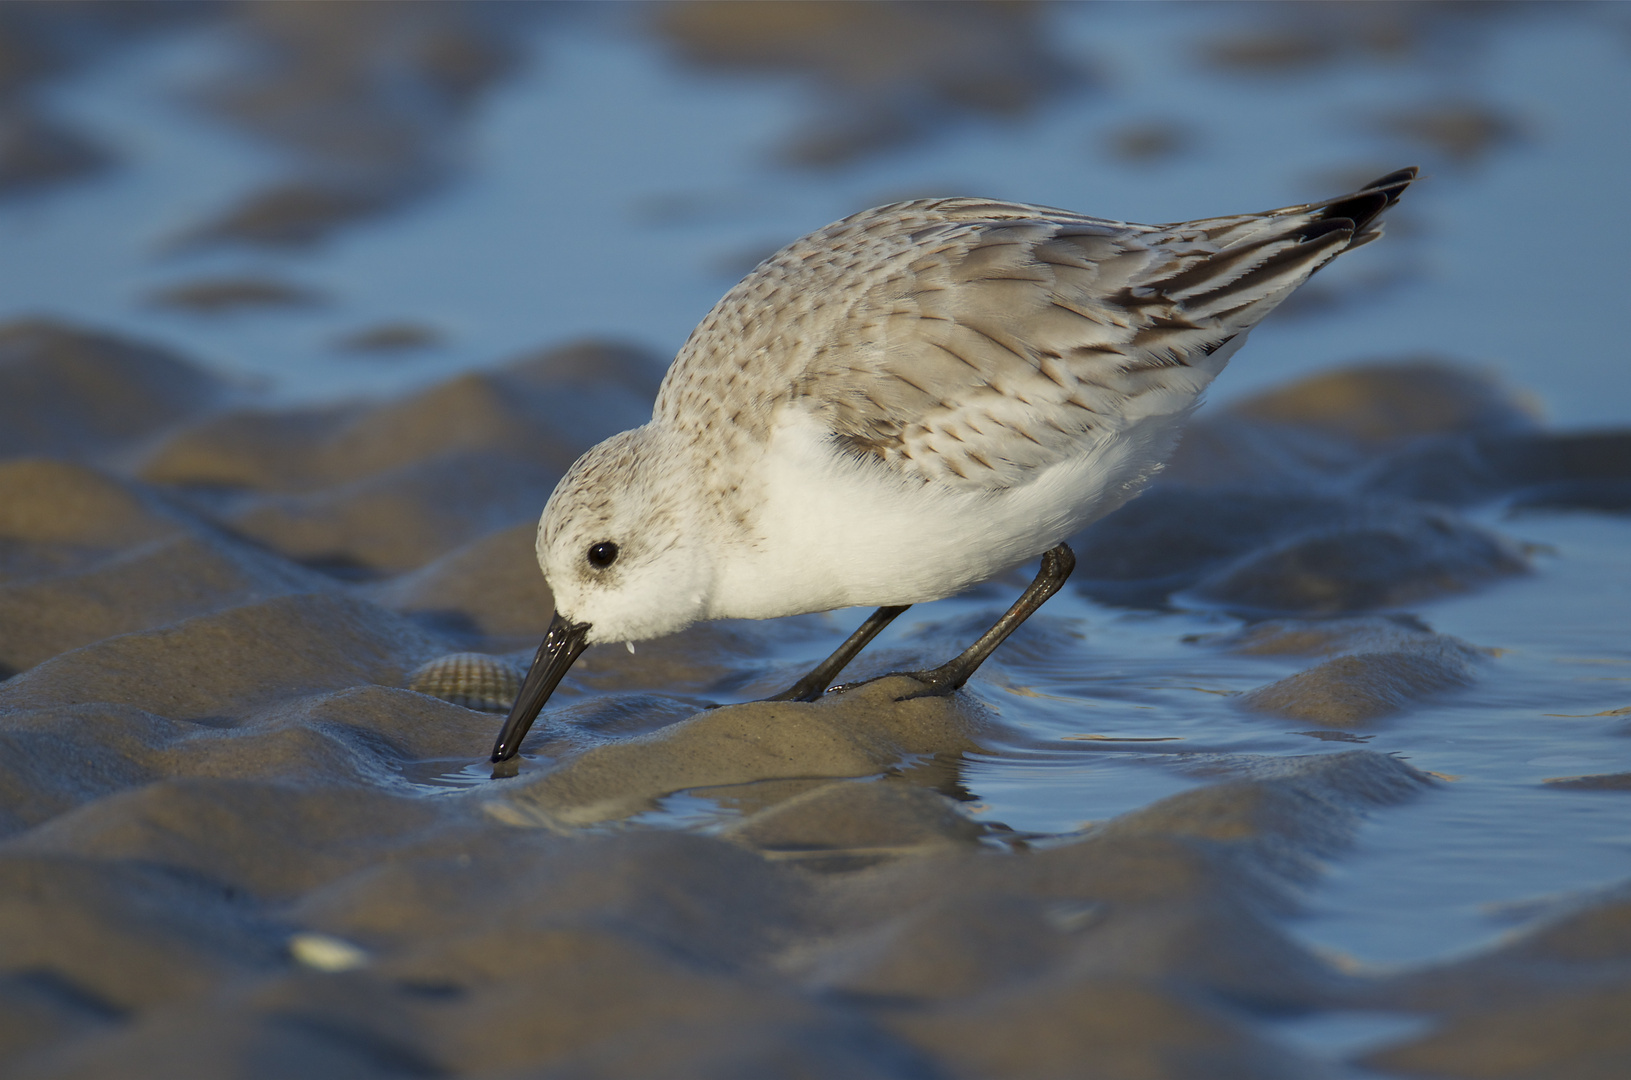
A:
[904,404]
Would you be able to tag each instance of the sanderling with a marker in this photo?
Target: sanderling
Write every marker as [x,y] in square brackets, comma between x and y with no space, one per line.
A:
[904,404]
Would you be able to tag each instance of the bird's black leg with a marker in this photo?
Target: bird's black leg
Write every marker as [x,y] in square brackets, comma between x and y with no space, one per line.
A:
[1057,563]
[813,685]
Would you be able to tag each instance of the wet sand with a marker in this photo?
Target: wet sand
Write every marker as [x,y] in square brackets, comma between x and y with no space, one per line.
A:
[222,856]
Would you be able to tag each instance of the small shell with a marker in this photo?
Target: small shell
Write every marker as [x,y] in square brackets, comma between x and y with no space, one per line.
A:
[326,953]
[473,680]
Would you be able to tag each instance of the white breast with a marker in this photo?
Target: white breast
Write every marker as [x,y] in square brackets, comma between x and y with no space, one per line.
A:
[834,530]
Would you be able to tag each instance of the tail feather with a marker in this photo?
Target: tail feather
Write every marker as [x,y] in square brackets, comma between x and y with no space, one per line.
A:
[1364,206]
[1274,279]
[1264,256]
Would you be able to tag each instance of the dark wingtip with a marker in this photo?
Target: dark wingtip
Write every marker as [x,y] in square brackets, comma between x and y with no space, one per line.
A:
[1324,226]
[1394,182]
[1361,209]
[1367,204]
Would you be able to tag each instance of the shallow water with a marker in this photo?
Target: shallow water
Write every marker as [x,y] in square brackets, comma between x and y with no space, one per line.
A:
[1435,880]
[607,189]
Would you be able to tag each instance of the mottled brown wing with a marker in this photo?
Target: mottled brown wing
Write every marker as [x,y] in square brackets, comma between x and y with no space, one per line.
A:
[1001,344]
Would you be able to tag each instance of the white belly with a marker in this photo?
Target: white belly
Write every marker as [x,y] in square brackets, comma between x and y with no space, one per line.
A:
[833,532]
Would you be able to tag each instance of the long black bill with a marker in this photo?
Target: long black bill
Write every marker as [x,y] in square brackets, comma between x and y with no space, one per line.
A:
[561,646]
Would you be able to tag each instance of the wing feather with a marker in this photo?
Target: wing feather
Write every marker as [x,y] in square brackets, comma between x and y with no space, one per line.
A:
[975,342]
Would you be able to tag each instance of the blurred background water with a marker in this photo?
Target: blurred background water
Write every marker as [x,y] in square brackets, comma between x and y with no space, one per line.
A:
[610,171]
[336,201]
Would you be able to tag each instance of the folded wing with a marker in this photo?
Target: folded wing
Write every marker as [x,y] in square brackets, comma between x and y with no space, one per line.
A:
[1004,335]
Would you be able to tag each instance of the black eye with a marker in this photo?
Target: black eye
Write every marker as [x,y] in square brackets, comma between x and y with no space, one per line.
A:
[602,555]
